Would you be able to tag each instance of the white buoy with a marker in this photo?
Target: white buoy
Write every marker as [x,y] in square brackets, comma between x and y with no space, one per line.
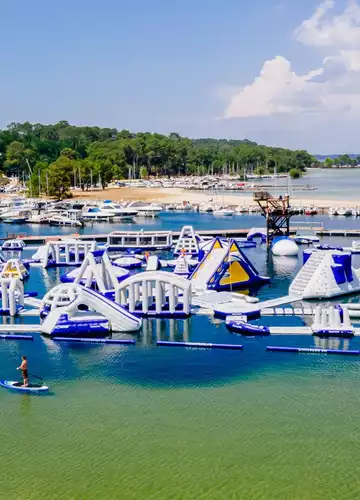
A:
[285,247]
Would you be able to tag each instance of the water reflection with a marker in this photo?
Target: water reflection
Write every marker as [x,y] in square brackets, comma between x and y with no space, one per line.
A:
[284,266]
[25,405]
[155,329]
[332,343]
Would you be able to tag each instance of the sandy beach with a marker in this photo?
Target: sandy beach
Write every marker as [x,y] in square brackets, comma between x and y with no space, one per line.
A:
[178,195]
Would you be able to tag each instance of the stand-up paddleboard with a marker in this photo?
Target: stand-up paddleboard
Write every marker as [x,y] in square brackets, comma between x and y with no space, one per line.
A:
[17,386]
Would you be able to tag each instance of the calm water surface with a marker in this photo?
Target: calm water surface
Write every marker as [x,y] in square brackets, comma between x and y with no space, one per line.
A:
[333,184]
[145,422]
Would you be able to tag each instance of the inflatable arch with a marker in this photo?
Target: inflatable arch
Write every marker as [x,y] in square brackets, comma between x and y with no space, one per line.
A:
[58,296]
[155,293]
[257,232]
[64,252]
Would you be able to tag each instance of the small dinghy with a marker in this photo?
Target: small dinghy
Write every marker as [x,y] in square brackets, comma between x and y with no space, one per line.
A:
[17,386]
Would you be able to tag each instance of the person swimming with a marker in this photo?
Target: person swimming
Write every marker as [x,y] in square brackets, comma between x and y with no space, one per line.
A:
[24,368]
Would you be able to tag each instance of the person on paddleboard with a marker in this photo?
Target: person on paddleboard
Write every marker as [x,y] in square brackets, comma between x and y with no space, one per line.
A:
[24,368]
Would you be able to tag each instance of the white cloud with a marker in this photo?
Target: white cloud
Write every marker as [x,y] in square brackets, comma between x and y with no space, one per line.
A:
[331,88]
[322,30]
[276,90]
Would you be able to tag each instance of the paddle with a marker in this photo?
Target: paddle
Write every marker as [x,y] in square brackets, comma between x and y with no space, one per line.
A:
[36,376]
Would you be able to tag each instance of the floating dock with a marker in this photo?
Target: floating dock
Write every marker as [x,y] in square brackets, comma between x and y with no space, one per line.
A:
[288,311]
[20,328]
[225,233]
[312,350]
[94,340]
[199,345]
[16,337]
[102,238]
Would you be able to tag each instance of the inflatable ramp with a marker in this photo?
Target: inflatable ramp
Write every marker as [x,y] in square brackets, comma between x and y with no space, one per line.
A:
[102,315]
[325,274]
[225,267]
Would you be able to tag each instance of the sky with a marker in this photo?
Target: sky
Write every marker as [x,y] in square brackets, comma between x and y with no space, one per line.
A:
[279,72]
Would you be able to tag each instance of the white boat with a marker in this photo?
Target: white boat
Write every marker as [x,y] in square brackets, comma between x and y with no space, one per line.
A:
[96,214]
[206,209]
[344,212]
[223,211]
[119,211]
[64,220]
[241,209]
[15,216]
[310,211]
[146,209]
[38,219]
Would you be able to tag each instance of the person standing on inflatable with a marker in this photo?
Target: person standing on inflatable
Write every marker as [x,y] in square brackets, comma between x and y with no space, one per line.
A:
[24,368]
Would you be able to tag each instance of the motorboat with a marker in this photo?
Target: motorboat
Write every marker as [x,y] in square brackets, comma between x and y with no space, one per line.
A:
[206,209]
[97,214]
[241,209]
[63,219]
[223,211]
[42,218]
[146,209]
[15,216]
[125,213]
[344,212]
[310,211]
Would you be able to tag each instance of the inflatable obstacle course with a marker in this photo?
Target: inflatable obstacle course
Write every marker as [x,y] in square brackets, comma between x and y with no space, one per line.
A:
[225,267]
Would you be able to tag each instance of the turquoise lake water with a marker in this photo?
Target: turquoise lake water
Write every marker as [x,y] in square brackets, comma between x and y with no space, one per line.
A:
[145,422]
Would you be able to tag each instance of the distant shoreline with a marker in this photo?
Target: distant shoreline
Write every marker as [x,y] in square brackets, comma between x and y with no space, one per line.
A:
[179,195]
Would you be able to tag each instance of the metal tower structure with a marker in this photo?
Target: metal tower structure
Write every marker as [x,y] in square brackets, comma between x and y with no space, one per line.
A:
[277,213]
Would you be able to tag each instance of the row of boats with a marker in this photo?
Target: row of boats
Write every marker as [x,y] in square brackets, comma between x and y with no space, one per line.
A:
[21,210]
[17,210]
[222,182]
[344,212]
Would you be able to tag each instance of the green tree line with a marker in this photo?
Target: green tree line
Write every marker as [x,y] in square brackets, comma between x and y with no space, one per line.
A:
[342,160]
[52,158]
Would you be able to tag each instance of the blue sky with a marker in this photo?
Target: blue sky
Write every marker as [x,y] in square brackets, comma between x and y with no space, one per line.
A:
[182,66]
